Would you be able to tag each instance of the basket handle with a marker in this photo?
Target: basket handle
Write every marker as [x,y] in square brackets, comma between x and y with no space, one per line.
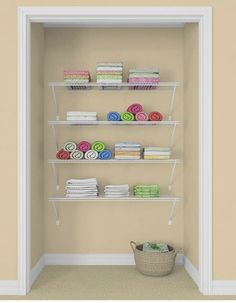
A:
[133,245]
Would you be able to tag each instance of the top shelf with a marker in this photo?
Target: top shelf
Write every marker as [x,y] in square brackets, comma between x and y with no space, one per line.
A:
[115,87]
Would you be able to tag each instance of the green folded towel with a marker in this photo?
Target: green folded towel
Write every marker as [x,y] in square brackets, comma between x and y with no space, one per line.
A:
[155,247]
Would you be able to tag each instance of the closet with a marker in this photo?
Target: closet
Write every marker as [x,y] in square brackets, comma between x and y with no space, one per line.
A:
[100,225]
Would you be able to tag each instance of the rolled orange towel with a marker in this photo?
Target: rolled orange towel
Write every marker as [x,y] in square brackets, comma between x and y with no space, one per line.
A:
[155,116]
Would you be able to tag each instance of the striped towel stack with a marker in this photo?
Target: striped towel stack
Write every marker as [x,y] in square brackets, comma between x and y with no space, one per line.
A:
[81,188]
[109,73]
[127,151]
[116,191]
[76,78]
[81,116]
[157,153]
[143,78]
[147,190]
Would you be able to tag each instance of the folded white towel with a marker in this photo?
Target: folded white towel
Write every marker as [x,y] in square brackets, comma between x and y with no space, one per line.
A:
[76,113]
[81,118]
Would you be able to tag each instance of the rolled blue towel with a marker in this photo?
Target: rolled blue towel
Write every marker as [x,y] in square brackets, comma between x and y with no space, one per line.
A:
[106,154]
[113,116]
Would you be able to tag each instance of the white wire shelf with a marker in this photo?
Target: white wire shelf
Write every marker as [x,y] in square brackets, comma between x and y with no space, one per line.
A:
[111,87]
[123,199]
[65,122]
[114,161]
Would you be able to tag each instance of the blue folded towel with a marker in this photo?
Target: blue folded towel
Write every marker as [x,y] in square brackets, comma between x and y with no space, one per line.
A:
[106,154]
[113,116]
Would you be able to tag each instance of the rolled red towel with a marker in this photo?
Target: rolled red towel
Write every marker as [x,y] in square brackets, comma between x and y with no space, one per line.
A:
[141,116]
[135,108]
[84,146]
[63,154]
[155,116]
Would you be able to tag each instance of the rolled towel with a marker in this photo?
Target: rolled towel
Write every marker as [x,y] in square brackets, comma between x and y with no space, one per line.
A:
[91,155]
[113,116]
[135,108]
[84,146]
[106,154]
[98,146]
[76,155]
[70,146]
[126,116]
[155,116]
[141,116]
[63,154]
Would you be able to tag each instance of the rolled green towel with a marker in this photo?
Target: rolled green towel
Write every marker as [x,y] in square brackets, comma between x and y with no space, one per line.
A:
[98,146]
[126,116]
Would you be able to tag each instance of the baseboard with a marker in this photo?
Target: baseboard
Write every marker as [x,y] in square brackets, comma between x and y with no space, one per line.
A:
[224,287]
[36,270]
[191,270]
[95,259]
[9,287]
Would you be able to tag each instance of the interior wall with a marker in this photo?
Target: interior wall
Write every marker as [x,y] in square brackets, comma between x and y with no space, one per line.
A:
[191,143]
[107,227]
[37,142]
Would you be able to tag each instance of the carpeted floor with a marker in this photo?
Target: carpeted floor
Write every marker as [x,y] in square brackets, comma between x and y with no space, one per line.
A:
[111,282]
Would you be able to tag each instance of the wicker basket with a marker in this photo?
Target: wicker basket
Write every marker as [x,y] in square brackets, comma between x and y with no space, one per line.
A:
[153,263]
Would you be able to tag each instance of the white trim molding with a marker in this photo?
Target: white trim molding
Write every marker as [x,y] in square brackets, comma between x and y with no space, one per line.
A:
[191,270]
[36,270]
[117,16]
[96,259]
[9,287]
[224,287]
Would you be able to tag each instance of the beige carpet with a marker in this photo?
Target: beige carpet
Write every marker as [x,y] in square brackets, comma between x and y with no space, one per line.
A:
[111,282]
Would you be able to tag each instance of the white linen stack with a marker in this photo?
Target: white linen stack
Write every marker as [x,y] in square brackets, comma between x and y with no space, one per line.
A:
[81,188]
[116,191]
[81,116]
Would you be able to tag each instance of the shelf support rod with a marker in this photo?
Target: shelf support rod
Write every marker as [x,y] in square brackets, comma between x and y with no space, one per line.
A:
[172,176]
[171,214]
[55,136]
[172,103]
[56,176]
[173,135]
[55,103]
[56,213]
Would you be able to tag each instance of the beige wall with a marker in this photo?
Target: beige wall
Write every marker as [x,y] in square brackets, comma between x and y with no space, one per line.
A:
[224,65]
[107,227]
[190,143]
[37,142]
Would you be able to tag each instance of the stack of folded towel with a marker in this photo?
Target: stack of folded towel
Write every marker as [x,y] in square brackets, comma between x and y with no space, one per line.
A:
[147,190]
[109,73]
[127,151]
[76,78]
[81,116]
[116,191]
[81,188]
[143,78]
[157,153]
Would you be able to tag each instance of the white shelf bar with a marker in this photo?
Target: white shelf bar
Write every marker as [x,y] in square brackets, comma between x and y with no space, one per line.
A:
[124,199]
[65,122]
[114,161]
[117,87]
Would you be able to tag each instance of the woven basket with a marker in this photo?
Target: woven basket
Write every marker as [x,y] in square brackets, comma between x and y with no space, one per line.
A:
[153,263]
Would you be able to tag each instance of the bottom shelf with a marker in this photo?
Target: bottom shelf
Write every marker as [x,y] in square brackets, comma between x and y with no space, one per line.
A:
[123,199]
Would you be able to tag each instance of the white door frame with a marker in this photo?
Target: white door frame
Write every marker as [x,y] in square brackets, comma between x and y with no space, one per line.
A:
[117,16]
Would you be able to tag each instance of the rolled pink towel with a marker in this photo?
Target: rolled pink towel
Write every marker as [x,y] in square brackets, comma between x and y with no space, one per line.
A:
[141,116]
[135,108]
[83,146]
